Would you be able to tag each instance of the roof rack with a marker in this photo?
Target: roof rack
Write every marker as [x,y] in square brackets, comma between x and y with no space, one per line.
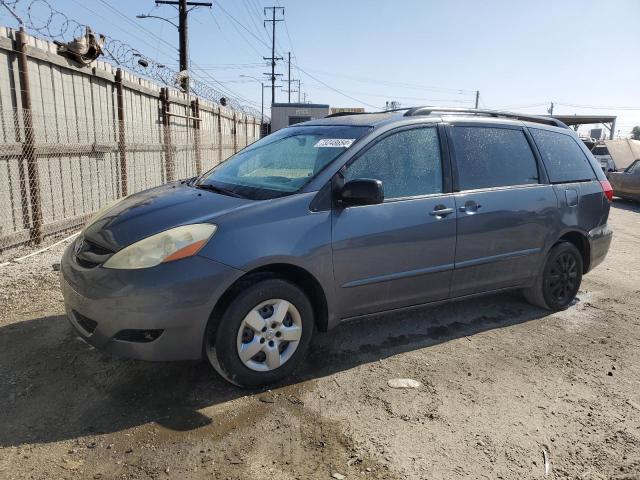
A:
[344,114]
[490,113]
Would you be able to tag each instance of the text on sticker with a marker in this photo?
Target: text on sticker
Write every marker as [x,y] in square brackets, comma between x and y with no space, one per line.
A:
[334,142]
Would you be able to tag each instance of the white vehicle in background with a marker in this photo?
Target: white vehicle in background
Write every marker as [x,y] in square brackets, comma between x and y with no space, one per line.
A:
[615,155]
[602,155]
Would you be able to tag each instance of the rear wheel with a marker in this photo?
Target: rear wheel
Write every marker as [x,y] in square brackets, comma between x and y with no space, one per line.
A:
[263,335]
[559,282]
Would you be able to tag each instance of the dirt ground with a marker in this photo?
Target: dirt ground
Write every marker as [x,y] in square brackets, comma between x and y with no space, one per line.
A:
[502,382]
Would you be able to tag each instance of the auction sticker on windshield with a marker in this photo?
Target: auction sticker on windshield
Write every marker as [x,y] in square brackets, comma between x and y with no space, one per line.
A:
[335,142]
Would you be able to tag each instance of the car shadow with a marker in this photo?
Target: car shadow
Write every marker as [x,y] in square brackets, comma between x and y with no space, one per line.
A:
[56,387]
[624,204]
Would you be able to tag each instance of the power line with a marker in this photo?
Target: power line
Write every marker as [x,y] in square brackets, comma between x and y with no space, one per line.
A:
[255,17]
[423,99]
[597,107]
[335,89]
[125,55]
[239,32]
[223,10]
[410,86]
[127,19]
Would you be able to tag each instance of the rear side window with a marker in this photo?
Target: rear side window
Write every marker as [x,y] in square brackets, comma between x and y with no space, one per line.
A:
[408,163]
[493,157]
[563,157]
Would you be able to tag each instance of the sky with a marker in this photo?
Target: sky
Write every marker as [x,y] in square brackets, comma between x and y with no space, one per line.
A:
[583,55]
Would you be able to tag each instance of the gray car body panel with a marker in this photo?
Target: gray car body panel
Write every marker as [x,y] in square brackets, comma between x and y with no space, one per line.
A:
[176,297]
[366,259]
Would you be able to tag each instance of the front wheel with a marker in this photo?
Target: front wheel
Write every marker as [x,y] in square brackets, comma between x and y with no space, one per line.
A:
[263,335]
[559,282]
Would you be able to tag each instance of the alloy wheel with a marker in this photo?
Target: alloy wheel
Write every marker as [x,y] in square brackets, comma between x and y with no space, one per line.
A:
[562,278]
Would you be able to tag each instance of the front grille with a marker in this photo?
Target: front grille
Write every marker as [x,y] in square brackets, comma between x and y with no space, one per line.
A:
[89,254]
[86,323]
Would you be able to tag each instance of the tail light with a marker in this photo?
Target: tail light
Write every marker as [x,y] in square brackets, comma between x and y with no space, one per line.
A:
[607,189]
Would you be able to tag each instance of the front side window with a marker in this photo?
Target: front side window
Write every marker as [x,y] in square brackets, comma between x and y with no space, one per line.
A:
[408,163]
[563,157]
[281,163]
[493,157]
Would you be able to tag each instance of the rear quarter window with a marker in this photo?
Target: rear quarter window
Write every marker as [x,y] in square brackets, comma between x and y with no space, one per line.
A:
[563,157]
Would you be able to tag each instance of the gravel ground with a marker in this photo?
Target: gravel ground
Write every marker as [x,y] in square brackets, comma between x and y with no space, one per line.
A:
[501,383]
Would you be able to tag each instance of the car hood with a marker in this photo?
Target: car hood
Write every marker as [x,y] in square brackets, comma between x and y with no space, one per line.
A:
[158,209]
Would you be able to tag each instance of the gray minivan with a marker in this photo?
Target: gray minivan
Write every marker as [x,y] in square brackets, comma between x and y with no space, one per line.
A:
[333,219]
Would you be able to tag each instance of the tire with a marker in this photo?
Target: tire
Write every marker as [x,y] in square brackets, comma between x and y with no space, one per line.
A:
[255,324]
[557,285]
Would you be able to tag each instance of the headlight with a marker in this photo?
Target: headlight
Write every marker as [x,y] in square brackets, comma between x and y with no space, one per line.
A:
[167,246]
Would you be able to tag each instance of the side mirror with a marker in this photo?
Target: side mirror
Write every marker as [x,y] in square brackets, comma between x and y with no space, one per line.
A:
[362,191]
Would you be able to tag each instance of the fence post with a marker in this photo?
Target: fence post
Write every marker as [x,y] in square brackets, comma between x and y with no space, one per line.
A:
[122,145]
[246,130]
[169,165]
[235,132]
[29,144]
[219,136]
[195,113]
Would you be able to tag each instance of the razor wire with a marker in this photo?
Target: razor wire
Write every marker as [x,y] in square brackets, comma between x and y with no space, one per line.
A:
[41,17]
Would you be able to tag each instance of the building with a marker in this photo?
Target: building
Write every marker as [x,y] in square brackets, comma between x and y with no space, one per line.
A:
[333,110]
[285,114]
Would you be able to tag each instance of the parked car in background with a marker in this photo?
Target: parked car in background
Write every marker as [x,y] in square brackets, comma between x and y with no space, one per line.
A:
[334,219]
[602,155]
[626,184]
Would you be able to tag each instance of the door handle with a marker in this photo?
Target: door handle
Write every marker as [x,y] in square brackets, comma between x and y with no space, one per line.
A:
[441,212]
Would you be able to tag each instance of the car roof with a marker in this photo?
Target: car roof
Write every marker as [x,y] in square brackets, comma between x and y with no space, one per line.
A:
[433,114]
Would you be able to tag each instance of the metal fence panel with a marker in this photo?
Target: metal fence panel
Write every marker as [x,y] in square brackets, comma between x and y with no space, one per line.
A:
[90,134]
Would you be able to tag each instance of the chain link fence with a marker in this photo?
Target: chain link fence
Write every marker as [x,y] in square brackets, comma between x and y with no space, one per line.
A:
[73,138]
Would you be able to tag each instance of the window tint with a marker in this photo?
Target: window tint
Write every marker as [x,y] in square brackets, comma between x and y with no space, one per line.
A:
[493,157]
[408,164]
[563,157]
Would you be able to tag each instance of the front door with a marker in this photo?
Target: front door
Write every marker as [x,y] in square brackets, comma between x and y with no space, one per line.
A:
[503,209]
[400,252]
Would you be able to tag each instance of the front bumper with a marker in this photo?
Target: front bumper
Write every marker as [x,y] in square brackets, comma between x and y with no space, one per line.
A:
[599,242]
[176,298]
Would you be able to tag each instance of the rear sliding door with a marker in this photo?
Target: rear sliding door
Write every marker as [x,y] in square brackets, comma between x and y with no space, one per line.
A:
[503,206]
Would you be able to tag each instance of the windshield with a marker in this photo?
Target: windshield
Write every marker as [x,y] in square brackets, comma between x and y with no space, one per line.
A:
[281,163]
[600,151]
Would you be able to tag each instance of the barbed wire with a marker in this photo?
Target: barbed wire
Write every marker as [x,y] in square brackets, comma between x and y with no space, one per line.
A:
[41,17]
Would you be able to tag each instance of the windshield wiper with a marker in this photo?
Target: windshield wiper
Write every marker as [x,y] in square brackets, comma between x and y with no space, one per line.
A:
[223,191]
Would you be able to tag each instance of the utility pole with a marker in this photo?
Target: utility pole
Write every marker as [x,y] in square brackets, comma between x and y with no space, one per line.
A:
[477,98]
[293,90]
[183,32]
[289,78]
[550,110]
[273,57]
